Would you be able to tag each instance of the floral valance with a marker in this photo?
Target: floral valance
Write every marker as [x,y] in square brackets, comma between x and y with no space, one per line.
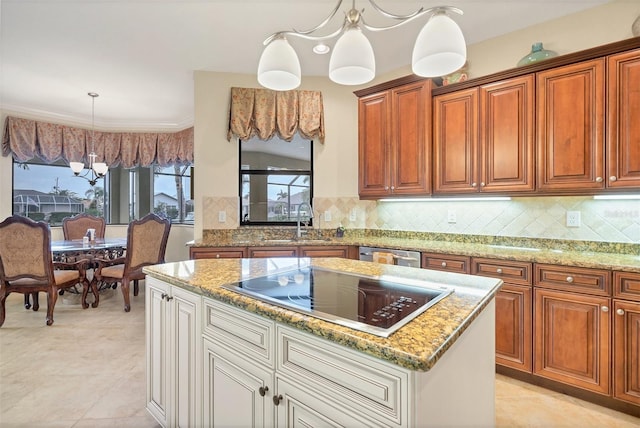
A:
[265,113]
[26,139]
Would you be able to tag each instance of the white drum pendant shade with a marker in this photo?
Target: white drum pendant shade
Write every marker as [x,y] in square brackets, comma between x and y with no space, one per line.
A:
[440,48]
[352,61]
[279,67]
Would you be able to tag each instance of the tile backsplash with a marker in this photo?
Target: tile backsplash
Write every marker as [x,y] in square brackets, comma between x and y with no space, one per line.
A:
[614,220]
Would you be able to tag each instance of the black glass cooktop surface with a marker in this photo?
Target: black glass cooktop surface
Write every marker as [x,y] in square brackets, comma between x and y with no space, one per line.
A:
[374,305]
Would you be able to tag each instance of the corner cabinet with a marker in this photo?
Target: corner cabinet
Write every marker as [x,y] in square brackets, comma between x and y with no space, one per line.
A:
[394,144]
[483,138]
[173,355]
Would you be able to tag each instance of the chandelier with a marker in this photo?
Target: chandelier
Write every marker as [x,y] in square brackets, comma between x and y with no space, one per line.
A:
[439,49]
[96,170]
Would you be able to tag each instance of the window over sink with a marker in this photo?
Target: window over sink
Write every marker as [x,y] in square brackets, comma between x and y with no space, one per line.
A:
[276,181]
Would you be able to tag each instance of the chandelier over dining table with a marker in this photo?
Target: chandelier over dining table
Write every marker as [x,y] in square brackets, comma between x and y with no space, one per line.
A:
[95,170]
[439,49]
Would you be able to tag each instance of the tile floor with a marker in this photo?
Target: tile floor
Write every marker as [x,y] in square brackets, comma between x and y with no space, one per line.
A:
[88,370]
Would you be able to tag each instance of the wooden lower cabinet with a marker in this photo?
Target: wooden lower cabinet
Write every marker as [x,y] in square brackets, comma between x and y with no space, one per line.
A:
[262,252]
[324,251]
[626,351]
[513,327]
[217,253]
[572,339]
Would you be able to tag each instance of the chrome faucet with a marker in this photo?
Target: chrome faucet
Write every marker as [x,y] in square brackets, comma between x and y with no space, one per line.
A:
[299,232]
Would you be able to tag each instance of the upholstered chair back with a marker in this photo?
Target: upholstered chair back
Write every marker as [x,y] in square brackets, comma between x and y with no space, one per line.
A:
[147,241]
[76,227]
[25,249]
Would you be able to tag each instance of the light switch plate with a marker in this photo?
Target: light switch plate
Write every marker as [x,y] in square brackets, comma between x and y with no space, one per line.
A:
[222,216]
[451,216]
[327,215]
[352,215]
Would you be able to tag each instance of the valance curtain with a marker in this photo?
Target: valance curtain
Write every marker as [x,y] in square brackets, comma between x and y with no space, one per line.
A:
[265,113]
[26,139]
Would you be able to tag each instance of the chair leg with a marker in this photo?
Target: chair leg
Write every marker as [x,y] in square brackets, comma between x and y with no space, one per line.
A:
[94,290]
[36,301]
[135,287]
[27,303]
[3,297]
[125,293]
[52,297]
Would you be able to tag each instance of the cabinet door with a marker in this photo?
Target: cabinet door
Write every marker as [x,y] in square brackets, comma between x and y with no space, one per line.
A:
[570,117]
[373,141]
[626,351]
[623,126]
[410,159]
[185,363]
[217,253]
[157,350]
[513,327]
[571,342]
[455,138]
[507,136]
[261,252]
[237,392]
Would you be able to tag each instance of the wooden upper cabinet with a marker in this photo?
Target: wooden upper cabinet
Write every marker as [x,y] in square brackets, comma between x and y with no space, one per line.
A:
[484,138]
[507,136]
[394,145]
[570,131]
[455,137]
[623,124]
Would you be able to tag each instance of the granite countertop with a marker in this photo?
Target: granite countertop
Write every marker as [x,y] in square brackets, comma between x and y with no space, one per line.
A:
[417,346]
[599,255]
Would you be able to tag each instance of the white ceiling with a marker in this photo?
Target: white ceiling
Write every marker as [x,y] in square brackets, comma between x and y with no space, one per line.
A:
[140,55]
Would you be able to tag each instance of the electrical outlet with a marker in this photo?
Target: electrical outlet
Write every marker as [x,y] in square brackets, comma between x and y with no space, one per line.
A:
[327,215]
[451,216]
[222,216]
[353,215]
[573,218]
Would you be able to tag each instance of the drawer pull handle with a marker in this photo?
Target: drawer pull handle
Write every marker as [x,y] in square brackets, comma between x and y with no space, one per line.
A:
[169,298]
[499,270]
[263,390]
[569,279]
[605,309]
[620,312]
[277,399]
[163,296]
[217,256]
[444,264]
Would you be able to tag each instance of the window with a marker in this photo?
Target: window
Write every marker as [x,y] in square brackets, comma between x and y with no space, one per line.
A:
[276,181]
[51,192]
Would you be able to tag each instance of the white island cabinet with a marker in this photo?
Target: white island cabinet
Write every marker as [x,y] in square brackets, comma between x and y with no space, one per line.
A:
[173,349]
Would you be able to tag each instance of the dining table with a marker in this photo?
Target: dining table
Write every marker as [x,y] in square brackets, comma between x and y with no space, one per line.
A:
[77,249]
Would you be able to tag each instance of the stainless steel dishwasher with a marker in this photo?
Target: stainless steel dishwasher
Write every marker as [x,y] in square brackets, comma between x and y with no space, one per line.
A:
[400,257]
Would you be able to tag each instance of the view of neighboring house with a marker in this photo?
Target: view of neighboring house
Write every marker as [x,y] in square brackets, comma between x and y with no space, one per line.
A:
[40,205]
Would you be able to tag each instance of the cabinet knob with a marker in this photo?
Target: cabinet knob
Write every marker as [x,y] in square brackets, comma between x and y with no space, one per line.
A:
[499,270]
[620,312]
[277,399]
[605,309]
[263,390]
[598,179]
[474,184]
[386,187]
[217,256]
[163,296]
[444,264]
[482,184]
[393,188]
[569,279]
[613,178]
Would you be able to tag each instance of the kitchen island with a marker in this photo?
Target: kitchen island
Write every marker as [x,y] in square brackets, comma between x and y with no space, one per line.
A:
[216,357]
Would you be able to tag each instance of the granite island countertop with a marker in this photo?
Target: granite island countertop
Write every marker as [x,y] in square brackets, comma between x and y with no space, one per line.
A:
[598,255]
[418,345]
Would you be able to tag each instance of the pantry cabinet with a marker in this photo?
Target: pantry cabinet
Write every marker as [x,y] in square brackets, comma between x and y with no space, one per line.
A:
[623,126]
[484,138]
[570,127]
[394,144]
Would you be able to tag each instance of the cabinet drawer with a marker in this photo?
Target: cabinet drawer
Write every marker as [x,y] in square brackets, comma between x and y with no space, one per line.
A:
[351,379]
[445,262]
[582,280]
[240,330]
[509,271]
[261,252]
[626,285]
[324,252]
[217,253]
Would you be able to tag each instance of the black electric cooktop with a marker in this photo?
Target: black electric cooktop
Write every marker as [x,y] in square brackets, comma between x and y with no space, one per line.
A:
[374,305]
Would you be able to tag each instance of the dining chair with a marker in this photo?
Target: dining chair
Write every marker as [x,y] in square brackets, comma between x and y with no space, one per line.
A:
[146,245]
[26,264]
[76,227]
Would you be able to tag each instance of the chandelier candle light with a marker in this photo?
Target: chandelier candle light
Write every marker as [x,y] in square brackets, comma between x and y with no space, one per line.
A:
[440,48]
[96,169]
